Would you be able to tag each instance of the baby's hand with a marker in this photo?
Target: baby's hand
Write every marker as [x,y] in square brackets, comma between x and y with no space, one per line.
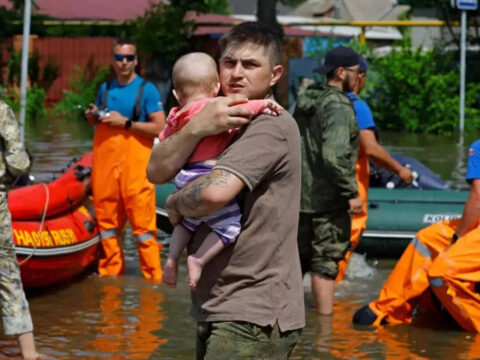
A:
[272,108]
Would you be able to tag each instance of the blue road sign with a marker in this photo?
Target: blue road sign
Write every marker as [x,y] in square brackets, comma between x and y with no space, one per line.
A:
[467,4]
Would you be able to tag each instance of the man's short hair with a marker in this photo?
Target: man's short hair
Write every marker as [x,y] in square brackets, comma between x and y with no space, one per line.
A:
[123,41]
[331,75]
[254,33]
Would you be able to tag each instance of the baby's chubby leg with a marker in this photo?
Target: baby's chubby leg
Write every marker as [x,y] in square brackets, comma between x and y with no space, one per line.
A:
[211,246]
[180,238]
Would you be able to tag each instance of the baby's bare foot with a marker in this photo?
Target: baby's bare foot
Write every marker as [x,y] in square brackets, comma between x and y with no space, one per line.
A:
[170,273]
[195,268]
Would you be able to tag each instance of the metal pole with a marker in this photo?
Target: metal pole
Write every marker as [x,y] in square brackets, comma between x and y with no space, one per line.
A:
[24,73]
[336,9]
[363,39]
[463,42]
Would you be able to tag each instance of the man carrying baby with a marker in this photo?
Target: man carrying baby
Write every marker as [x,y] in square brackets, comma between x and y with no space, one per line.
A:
[196,82]
[249,299]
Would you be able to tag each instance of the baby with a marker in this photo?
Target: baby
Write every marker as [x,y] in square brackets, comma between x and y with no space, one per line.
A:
[195,82]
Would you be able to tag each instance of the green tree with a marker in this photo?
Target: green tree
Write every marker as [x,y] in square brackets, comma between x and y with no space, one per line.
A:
[418,91]
[19,5]
[5,19]
[163,34]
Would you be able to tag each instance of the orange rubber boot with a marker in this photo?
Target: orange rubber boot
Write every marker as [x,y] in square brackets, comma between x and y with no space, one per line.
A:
[150,263]
[111,260]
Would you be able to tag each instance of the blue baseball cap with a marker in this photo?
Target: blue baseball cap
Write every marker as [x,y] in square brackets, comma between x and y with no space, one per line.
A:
[335,58]
[363,64]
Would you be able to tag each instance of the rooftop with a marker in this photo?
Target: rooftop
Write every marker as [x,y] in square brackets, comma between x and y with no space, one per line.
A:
[90,9]
[352,9]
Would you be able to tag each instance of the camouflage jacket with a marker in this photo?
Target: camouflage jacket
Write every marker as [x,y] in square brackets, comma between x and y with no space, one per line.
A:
[14,160]
[330,142]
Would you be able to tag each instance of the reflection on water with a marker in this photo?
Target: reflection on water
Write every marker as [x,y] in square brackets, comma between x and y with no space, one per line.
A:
[129,318]
[130,315]
[98,317]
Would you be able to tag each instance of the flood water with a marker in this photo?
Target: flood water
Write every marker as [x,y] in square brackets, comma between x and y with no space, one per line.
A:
[129,318]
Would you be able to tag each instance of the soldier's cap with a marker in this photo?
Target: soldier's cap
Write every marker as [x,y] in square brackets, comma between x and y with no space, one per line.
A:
[335,58]
[363,64]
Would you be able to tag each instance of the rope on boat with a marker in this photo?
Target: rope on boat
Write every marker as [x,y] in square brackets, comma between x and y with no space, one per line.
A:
[40,229]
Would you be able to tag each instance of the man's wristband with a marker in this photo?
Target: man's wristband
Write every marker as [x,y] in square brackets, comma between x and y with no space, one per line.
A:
[128,124]
[454,238]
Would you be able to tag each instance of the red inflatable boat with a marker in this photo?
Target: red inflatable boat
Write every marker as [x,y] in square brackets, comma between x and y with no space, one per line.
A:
[54,229]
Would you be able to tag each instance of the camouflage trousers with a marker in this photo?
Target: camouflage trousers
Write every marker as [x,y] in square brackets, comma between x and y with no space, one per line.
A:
[323,241]
[15,311]
[238,340]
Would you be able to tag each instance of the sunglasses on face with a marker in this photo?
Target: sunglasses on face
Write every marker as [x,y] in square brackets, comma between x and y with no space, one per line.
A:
[120,57]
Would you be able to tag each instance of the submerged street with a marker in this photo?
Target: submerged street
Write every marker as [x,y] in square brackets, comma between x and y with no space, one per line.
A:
[129,318]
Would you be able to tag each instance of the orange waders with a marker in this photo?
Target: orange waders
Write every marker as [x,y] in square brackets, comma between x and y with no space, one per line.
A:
[121,191]
[450,271]
[359,221]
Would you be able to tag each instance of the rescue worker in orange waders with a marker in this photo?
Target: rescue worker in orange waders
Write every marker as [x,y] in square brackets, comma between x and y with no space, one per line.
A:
[127,116]
[445,257]
[370,150]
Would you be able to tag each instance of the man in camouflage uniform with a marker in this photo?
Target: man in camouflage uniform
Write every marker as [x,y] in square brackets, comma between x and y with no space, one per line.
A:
[330,141]
[15,311]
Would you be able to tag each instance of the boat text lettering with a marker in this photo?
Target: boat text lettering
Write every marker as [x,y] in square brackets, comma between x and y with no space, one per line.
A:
[433,218]
[46,238]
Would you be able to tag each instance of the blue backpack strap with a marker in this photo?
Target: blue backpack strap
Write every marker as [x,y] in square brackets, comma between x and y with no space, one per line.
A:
[137,110]
[104,104]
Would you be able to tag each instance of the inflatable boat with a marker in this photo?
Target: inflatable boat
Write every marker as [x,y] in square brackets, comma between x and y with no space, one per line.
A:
[54,229]
[395,211]
[395,216]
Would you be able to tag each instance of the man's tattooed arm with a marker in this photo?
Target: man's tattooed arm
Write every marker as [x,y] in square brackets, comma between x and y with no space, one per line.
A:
[206,194]
[168,156]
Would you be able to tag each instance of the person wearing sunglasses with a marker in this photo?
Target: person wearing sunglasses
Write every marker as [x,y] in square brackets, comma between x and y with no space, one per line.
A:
[127,115]
[330,142]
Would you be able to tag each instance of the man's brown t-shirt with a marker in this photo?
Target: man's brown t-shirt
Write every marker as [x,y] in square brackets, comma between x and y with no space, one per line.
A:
[258,278]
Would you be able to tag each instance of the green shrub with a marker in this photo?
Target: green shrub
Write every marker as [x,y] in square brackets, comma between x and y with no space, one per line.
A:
[5,96]
[35,102]
[85,84]
[418,91]
[38,77]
